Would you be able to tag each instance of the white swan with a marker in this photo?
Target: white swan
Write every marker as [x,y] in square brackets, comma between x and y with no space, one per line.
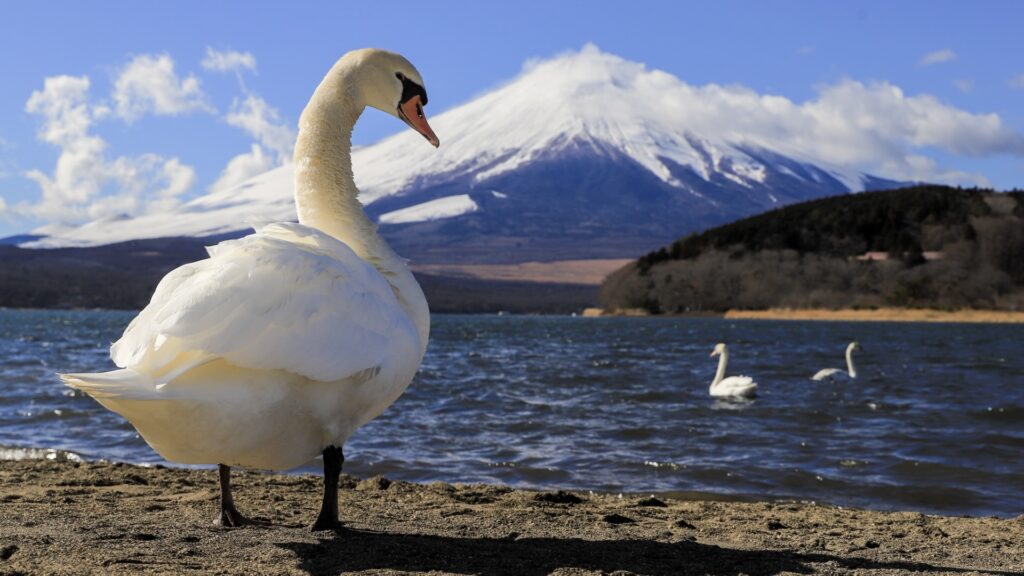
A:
[837,373]
[281,344]
[733,386]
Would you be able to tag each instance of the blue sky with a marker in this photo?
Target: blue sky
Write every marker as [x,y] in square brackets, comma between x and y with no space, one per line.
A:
[966,55]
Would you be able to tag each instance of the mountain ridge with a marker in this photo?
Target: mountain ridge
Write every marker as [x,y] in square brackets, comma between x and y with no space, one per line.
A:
[586,155]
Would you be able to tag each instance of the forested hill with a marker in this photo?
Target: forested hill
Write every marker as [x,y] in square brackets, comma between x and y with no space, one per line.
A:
[923,246]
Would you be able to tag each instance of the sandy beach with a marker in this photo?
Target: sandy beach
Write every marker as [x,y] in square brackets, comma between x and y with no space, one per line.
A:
[79,518]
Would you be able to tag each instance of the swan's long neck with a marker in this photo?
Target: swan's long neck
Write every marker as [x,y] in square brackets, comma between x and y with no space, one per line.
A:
[326,193]
[850,368]
[723,360]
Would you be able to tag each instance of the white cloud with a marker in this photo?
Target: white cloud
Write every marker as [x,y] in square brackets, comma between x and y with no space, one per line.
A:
[228,61]
[964,85]
[1017,82]
[880,115]
[242,167]
[261,121]
[854,126]
[879,129]
[919,168]
[149,84]
[85,183]
[937,57]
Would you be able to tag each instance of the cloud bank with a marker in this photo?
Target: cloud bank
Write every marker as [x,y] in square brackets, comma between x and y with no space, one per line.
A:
[86,183]
[874,127]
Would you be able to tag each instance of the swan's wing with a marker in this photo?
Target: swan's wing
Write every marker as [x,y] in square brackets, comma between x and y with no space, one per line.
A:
[735,386]
[286,298]
[739,382]
[825,373]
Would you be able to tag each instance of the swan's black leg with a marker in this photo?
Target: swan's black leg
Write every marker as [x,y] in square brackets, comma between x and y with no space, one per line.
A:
[328,518]
[230,517]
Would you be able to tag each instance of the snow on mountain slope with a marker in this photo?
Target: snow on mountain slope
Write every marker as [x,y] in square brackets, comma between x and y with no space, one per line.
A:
[575,153]
[438,209]
[589,96]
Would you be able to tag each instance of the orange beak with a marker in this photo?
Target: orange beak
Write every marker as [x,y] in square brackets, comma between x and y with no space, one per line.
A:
[412,113]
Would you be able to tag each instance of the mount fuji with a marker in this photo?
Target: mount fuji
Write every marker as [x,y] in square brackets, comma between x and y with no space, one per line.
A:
[583,156]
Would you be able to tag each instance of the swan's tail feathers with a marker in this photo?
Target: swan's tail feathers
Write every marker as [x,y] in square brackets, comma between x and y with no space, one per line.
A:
[125,383]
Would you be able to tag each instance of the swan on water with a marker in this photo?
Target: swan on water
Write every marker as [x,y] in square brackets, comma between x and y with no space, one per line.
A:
[838,373]
[732,386]
[277,347]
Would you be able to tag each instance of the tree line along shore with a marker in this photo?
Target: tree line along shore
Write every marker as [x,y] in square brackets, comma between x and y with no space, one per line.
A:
[923,247]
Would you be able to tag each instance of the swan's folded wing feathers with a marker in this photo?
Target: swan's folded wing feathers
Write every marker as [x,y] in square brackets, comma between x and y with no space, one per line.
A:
[287,298]
[825,373]
[130,351]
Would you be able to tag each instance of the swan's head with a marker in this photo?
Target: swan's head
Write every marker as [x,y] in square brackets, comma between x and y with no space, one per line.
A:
[854,347]
[389,82]
[719,349]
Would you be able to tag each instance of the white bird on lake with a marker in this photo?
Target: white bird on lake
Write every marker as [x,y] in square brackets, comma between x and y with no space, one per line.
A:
[732,386]
[277,347]
[838,373]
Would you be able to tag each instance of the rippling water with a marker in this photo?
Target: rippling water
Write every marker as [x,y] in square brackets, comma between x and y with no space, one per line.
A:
[935,422]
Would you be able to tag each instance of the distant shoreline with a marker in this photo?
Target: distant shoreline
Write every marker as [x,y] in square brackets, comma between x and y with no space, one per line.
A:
[882,315]
[844,315]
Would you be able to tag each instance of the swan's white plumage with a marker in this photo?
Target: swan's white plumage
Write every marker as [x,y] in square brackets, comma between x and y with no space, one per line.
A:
[735,386]
[731,386]
[278,345]
[829,373]
[838,374]
[286,298]
[283,342]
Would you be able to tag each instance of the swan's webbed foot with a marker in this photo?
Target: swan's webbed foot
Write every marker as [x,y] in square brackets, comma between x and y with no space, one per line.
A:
[230,517]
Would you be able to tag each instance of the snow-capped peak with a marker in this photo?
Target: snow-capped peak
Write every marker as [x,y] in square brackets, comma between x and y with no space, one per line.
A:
[586,96]
[584,102]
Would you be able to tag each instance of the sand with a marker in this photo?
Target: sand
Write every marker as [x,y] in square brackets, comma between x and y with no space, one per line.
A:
[883,315]
[80,518]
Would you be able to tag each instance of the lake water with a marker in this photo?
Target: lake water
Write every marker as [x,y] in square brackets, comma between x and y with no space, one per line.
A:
[935,422]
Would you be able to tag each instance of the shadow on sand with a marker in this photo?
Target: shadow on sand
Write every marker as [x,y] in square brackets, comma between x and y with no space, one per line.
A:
[356,550]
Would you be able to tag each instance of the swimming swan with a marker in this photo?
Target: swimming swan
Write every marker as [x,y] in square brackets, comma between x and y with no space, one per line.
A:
[281,344]
[733,386]
[836,373]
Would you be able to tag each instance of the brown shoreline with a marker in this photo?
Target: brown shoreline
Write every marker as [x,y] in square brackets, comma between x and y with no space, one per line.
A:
[79,518]
[843,315]
[882,315]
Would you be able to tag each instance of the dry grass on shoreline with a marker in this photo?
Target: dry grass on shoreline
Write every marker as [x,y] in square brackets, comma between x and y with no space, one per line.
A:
[882,315]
